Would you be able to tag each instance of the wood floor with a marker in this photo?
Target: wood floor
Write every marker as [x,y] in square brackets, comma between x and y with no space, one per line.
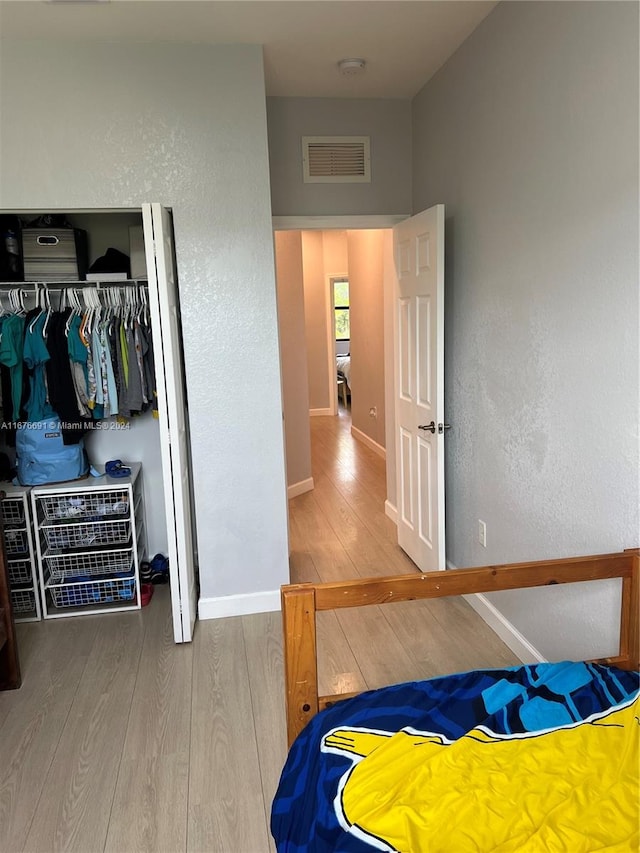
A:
[121,741]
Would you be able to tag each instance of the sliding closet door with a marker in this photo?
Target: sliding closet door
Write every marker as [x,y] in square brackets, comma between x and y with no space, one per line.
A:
[172,409]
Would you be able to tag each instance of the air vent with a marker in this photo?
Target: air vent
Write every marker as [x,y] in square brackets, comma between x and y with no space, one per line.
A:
[336,159]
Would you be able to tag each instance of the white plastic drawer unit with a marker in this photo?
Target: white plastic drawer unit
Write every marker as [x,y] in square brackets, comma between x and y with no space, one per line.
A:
[89,540]
[19,547]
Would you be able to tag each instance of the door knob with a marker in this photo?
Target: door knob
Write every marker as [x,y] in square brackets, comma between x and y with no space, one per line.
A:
[428,427]
[442,427]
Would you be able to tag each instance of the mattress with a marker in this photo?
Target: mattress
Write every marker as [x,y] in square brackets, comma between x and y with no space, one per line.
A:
[343,363]
[531,758]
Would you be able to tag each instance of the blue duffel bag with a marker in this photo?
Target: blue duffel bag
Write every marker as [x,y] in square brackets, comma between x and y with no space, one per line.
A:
[42,457]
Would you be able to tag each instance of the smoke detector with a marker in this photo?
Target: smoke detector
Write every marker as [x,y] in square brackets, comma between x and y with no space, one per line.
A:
[351,67]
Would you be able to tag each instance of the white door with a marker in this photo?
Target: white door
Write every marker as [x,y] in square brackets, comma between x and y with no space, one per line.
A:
[419,387]
[172,409]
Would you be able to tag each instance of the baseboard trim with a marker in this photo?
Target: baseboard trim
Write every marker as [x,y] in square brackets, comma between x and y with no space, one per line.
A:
[313,413]
[370,443]
[391,512]
[239,605]
[508,633]
[299,488]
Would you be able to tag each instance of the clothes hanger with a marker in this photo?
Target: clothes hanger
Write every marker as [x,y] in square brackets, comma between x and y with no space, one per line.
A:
[88,315]
[75,309]
[39,304]
[47,297]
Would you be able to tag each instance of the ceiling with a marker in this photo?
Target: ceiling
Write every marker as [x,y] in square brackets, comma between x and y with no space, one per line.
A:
[403,43]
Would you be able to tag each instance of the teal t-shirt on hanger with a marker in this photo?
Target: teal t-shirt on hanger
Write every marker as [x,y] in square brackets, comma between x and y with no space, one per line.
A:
[11,342]
[36,356]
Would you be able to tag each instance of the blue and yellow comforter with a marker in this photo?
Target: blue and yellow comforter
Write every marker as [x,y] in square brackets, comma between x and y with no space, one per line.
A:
[538,758]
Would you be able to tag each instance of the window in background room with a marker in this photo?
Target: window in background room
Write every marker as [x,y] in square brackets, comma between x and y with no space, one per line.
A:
[341,309]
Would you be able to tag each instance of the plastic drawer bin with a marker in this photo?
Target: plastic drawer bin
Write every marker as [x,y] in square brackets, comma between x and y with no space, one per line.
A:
[23,600]
[19,571]
[61,537]
[16,542]
[99,592]
[12,512]
[72,567]
[90,506]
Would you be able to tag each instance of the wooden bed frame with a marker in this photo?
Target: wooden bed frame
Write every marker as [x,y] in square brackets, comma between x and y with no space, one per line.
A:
[300,602]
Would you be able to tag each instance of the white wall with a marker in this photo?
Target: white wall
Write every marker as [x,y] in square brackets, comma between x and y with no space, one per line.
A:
[184,125]
[139,441]
[389,286]
[315,322]
[529,136]
[293,351]
[366,261]
[386,121]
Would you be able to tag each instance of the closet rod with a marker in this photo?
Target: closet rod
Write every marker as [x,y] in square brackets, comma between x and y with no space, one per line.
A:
[59,285]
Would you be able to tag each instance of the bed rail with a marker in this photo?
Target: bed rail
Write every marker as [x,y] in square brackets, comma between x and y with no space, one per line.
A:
[300,602]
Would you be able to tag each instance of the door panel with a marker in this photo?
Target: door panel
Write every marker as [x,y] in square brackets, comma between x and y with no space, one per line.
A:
[406,477]
[425,474]
[424,342]
[172,411]
[419,260]
[405,338]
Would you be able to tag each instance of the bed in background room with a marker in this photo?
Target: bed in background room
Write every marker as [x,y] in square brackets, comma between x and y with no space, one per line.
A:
[539,757]
[343,364]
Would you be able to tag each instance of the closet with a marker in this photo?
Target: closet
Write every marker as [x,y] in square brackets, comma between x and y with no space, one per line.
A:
[154,505]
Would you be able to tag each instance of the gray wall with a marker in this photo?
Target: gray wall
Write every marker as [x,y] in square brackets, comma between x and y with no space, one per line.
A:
[183,125]
[387,122]
[529,136]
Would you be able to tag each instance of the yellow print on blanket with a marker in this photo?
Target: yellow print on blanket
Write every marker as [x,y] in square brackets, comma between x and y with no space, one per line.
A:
[571,788]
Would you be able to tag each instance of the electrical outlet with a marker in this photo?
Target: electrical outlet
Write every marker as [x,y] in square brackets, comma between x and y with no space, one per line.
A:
[373,412]
[482,533]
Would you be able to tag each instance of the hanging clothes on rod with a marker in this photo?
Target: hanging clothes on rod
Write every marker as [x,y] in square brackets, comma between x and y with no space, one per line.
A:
[36,356]
[87,361]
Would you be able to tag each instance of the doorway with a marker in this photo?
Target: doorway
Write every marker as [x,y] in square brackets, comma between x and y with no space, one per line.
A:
[392,316]
[332,287]
[320,431]
[340,324]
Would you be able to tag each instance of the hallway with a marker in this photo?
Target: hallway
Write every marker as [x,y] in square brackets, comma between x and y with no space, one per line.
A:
[339,531]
